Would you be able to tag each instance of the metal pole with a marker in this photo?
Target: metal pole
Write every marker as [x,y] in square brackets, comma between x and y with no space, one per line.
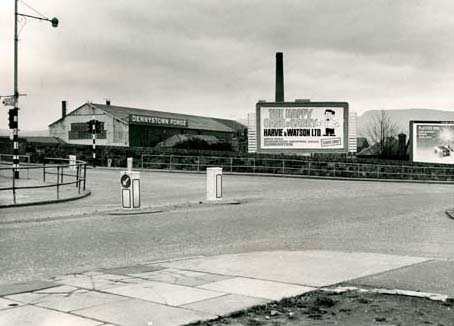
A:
[44,171]
[93,135]
[85,174]
[198,163]
[77,176]
[14,186]
[16,98]
[58,178]
[231,164]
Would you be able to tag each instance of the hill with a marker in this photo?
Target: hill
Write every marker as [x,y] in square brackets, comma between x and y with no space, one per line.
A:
[403,117]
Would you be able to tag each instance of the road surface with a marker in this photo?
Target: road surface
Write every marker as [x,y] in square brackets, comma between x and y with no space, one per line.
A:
[275,213]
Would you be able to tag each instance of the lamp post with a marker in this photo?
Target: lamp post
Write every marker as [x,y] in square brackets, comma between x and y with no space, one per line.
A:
[15,112]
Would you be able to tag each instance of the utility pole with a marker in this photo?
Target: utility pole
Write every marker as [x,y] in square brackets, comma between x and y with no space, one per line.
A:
[16,101]
[14,113]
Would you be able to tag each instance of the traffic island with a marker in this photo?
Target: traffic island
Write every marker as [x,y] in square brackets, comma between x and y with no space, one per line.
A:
[354,307]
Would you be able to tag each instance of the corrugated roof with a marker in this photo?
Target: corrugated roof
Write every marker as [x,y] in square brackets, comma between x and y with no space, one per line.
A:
[194,122]
[44,140]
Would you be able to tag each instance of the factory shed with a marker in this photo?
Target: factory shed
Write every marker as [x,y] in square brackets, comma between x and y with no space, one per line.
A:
[134,127]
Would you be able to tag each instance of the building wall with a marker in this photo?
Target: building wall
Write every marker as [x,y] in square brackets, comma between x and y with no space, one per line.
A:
[149,136]
[116,131]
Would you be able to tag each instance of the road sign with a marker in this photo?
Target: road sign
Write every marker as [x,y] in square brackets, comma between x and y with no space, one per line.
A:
[9,101]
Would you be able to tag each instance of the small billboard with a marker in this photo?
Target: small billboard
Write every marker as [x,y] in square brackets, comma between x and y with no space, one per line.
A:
[302,127]
[432,141]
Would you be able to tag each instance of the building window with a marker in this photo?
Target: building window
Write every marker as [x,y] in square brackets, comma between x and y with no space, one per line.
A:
[79,131]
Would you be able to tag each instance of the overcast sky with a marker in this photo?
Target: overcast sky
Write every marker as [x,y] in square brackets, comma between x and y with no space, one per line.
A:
[217,57]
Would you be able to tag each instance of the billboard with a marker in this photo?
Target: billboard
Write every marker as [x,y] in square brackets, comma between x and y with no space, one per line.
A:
[432,141]
[302,127]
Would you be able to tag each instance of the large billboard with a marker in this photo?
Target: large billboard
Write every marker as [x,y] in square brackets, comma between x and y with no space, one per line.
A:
[432,141]
[302,127]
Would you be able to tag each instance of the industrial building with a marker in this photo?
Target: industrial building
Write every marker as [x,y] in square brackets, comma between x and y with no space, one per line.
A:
[132,127]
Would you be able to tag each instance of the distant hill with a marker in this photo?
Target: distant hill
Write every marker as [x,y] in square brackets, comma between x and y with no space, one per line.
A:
[26,133]
[403,117]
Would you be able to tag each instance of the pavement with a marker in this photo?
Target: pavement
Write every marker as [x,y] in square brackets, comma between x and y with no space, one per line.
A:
[178,292]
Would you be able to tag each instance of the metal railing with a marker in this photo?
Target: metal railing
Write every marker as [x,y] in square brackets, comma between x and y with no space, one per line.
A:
[298,167]
[7,159]
[47,175]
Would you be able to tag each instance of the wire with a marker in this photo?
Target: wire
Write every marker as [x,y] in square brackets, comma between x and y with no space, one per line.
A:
[33,9]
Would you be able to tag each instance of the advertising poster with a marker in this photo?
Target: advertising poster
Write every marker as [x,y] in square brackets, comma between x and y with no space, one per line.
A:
[311,128]
[433,142]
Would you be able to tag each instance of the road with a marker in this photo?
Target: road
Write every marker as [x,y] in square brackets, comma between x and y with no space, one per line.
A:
[275,213]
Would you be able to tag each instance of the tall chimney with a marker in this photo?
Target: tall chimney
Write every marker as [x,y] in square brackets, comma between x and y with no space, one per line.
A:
[279,77]
[63,109]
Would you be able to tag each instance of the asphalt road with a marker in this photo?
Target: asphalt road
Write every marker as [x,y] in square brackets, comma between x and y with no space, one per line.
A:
[275,213]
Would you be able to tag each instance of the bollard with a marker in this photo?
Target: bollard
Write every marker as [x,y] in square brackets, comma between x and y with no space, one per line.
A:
[130,189]
[129,166]
[72,162]
[214,184]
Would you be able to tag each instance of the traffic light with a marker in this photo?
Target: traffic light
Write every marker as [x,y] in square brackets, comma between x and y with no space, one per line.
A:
[98,126]
[12,118]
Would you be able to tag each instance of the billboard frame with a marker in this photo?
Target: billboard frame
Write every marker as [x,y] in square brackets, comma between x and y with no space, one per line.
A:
[411,124]
[343,105]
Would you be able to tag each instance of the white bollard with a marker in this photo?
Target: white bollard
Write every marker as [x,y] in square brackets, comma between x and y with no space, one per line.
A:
[214,184]
[72,162]
[129,166]
[130,189]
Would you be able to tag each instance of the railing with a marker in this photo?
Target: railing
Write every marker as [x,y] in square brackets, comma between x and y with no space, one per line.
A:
[8,159]
[298,167]
[47,175]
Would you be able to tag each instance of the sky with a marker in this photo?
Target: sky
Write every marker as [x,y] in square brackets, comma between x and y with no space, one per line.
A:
[217,57]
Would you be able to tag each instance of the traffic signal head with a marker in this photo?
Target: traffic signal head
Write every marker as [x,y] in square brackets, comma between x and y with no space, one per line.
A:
[12,118]
[98,126]
[90,126]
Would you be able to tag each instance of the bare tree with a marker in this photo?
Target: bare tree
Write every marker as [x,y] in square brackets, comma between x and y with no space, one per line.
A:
[382,131]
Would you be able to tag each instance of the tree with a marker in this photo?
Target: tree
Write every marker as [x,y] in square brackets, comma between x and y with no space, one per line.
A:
[382,131]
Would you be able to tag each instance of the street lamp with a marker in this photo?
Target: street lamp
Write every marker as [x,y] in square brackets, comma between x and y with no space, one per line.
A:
[14,112]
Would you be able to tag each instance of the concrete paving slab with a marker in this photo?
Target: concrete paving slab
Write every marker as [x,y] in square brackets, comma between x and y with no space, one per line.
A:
[429,277]
[8,304]
[226,304]
[257,288]
[310,268]
[182,277]
[65,298]
[136,312]
[136,269]
[6,289]
[97,282]
[169,294]
[36,316]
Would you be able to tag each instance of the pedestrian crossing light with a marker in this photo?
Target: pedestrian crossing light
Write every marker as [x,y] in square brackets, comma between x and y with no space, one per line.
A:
[12,118]
[90,126]
[98,126]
